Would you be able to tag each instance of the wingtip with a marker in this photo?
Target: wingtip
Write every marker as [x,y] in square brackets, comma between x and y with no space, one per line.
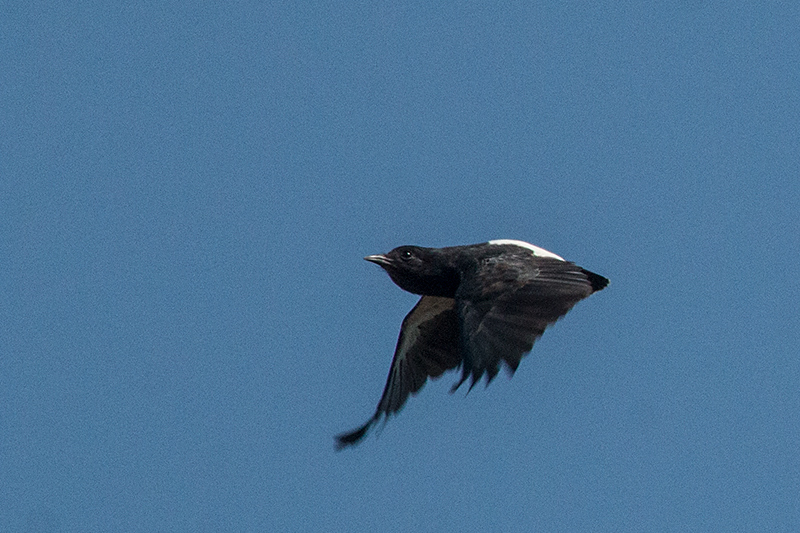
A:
[458,383]
[475,378]
[345,440]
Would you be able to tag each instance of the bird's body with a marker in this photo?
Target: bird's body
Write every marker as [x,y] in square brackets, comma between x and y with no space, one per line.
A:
[482,305]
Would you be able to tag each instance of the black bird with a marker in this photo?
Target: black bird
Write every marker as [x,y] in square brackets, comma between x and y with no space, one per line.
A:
[482,305]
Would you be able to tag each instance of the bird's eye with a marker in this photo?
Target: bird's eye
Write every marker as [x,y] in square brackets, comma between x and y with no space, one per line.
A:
[406,254]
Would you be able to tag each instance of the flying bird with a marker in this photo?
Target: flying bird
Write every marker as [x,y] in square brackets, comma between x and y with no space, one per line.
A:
[482,306]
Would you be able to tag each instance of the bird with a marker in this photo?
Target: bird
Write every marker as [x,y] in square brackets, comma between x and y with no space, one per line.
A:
[482,306]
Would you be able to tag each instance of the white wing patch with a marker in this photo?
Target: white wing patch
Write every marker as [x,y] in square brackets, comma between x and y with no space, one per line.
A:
[539,252]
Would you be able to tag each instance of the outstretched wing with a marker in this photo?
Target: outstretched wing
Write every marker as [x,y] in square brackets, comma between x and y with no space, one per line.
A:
[426,347]
[504,307]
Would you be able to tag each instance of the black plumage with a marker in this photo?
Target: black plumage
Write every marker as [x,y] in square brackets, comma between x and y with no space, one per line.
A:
[482,305]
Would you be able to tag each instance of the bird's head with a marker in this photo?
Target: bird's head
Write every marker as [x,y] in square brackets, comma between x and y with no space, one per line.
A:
[419,270]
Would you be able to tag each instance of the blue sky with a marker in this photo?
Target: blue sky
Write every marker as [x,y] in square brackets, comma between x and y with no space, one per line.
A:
[188,190]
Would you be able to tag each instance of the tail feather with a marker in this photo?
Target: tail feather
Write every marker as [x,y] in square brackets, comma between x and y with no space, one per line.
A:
[598,282]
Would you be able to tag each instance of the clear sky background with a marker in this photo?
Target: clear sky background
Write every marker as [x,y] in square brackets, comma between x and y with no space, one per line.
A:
[187,190]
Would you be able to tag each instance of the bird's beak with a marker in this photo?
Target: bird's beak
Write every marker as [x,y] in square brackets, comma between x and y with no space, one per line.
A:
[379,259]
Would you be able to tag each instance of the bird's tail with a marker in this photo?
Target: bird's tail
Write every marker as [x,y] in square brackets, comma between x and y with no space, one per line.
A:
[598,282]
